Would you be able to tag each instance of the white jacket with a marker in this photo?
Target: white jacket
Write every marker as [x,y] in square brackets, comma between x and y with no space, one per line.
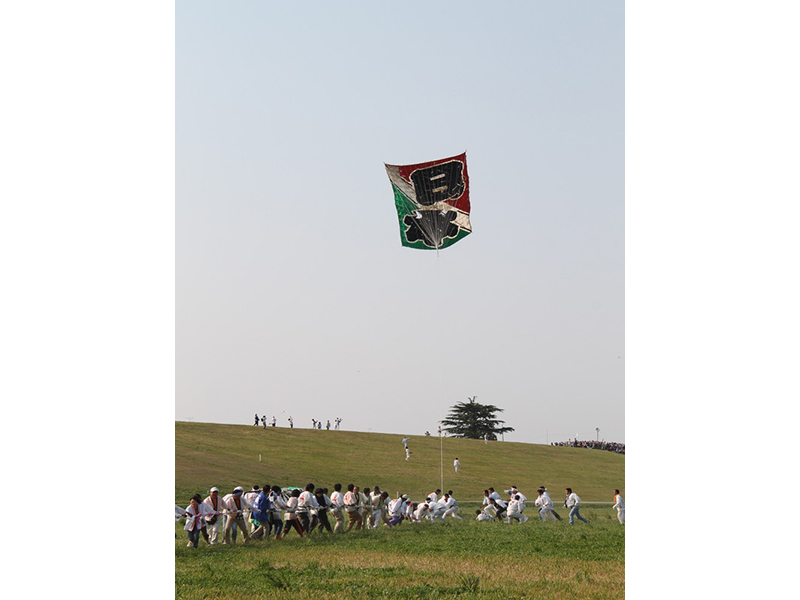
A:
[196,517]
[210,504]
[515,507]
[574,500]
[230,505]
[619,503]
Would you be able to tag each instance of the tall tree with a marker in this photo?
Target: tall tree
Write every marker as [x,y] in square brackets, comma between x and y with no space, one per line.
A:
[474,420]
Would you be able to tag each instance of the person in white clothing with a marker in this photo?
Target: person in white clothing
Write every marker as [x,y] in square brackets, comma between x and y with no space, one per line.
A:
[376,503]
[364,506]
[493,494]
[351,500]
[397,510]
[250,496]
[451,507]
[515,492]
[291,515]
[547,499]
[437,510]
[214,518]
[424,511]
[456,464]
[306,502]
[195,520]
[483,515]
[545,505]
[573,503]
[234,511]
[619,504]
[337,508]
[434,496]
[515,508]
[278,506]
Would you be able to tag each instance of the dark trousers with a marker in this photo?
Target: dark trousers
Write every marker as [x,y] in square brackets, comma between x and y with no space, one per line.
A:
[324,523]
[292,523]
[305,523]
[194,536]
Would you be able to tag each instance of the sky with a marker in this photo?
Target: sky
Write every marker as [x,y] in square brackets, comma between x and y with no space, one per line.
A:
[293,293]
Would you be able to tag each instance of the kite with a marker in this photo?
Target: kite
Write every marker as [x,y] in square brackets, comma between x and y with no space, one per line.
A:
[432,201]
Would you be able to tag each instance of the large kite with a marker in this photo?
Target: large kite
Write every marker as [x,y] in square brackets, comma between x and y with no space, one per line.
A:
[432,202]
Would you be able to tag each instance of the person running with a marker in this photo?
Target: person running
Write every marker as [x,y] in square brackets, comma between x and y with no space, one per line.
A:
[408,453]
[274,421]
[550,501]
[264,421]
[545,505]
[256,423]
[573,503]
[619,504]
[328,425]
[498,507]
[291,423]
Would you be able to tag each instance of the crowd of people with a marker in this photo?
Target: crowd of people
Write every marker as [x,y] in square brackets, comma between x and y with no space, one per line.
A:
[315,423]
[272,511]
[594,445]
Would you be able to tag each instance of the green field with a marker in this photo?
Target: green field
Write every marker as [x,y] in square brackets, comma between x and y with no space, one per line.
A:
[415,560]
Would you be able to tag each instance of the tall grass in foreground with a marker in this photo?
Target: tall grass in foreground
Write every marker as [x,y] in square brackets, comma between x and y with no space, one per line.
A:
[417,560]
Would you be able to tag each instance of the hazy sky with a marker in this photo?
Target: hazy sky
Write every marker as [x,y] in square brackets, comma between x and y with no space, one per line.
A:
[293,293]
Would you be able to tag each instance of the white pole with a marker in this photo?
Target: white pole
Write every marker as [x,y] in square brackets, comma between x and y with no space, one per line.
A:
[259,457]
[441,459]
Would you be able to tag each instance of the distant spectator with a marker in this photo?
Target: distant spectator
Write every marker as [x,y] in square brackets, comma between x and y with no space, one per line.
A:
[594,445]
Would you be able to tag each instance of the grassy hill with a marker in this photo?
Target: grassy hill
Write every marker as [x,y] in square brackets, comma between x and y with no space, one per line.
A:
[225,456]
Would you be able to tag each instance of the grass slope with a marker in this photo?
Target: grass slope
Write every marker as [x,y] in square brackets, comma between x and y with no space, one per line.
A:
[225,456]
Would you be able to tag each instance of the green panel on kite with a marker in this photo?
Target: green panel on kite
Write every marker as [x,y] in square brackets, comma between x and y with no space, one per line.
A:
[432,201]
